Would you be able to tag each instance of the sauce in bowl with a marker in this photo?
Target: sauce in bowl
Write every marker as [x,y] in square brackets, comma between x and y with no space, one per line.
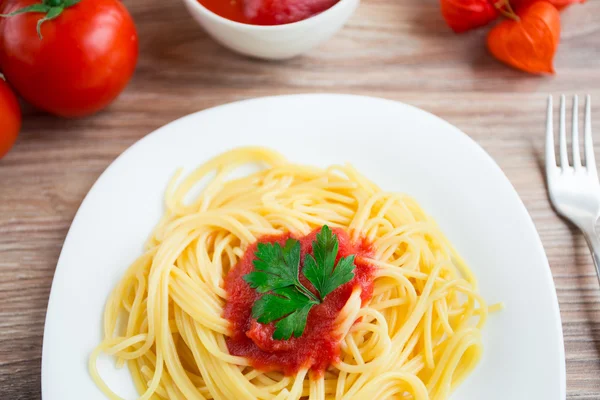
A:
[267,12]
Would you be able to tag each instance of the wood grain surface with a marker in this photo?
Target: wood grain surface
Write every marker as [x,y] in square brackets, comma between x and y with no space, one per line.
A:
[397,49]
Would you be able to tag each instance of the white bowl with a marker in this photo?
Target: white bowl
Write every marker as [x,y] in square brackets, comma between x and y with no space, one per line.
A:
[273,42]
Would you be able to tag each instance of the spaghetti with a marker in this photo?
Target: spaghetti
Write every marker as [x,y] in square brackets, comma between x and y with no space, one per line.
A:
[417,337]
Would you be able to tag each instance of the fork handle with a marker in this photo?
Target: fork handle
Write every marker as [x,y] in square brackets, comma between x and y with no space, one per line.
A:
[593,242]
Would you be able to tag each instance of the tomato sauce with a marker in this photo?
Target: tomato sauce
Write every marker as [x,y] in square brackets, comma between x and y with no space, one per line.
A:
[267,12]
[317,348]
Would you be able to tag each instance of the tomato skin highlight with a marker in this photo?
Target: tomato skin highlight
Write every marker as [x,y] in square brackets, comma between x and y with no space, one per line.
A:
[85,59]
[10,118]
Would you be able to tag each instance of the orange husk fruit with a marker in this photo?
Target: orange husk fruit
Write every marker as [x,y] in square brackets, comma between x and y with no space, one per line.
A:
[529,41]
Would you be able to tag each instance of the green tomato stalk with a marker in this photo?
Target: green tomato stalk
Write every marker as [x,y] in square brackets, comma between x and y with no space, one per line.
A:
[52,9]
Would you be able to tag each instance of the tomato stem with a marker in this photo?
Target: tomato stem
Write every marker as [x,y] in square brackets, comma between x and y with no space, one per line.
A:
[51,9]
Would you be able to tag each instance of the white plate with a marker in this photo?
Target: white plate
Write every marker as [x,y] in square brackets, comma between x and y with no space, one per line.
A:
[399,147]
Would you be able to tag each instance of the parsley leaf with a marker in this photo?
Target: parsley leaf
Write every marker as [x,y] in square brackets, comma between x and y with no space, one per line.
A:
[286,301]
[319,270]
[293,323]
[289,303]
[275,266]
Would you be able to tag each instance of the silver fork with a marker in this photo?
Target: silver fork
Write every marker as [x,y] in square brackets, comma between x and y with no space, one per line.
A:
[574,188]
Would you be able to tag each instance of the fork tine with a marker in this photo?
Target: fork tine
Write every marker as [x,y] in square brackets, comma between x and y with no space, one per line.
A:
[550,156]
[575,133]
[564,158]
[590,159]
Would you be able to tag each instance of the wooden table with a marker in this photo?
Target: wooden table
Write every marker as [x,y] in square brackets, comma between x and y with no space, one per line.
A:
[397,49]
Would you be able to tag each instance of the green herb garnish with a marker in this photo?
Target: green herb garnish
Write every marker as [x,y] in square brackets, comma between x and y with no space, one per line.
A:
[321,270]
[286,300]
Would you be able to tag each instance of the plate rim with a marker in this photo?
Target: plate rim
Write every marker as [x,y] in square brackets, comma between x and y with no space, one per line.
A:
[474,145]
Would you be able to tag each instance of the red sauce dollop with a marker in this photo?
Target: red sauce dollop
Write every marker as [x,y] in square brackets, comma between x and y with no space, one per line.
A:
[317,348]
[267,12]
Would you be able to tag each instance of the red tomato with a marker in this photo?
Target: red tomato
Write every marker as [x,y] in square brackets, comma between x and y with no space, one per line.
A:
[10,118]
[464,15]
[84,60]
